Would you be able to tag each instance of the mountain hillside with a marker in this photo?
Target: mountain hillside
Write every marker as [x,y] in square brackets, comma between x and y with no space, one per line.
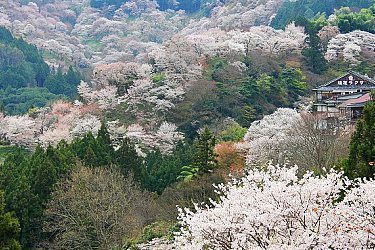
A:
[26,80]
[114,112]
[311,8]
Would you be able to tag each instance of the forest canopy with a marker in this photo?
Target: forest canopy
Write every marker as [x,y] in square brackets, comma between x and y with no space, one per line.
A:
[26,80]
[311,8]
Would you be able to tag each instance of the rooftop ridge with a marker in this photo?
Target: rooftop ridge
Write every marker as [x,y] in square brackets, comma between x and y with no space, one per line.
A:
[367,78]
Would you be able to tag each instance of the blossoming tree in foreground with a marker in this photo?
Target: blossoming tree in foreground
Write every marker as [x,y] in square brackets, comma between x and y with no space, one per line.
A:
[274,209]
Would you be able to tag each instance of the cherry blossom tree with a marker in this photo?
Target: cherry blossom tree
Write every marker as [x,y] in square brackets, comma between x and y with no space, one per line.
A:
[86,124]
[237,15]
[296,138]
[273,209]
[269,40]
[269,138]
[165,138]
[105,97]
[350,45]
[19,130]
[65,121]
[5,21]
[327,33]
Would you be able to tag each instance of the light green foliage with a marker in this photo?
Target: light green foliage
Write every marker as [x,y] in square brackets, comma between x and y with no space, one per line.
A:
[290,10]
[188,173]
[95,45]
[158,78]
[234,132]
[348,20]
[19,101]
[157,229]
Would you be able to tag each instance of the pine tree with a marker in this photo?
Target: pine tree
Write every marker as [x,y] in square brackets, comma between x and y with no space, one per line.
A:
[205,157]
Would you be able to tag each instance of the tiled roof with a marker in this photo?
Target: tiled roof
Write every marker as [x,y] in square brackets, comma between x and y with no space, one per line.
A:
[350,96]
[363,99]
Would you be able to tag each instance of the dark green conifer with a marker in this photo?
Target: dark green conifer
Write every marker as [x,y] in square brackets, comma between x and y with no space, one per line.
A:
[362,146]
[9,228]
[205,157]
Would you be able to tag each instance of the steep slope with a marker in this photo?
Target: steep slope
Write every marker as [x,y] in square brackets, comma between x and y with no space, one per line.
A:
[310,8]
[26,80]
[128,32]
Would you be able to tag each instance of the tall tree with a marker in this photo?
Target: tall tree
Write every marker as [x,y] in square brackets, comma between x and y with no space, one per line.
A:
[9,228]
[127,159]
[205,157]
[274,209]
[362,146]
[313,53]
[96,208]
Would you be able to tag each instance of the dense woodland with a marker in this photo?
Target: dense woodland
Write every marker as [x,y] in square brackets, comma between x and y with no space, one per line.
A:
[26,80]
[112,113]
[313,8]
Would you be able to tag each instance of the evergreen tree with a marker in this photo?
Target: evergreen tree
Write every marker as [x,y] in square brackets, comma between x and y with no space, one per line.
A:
[205,157]
[105,150]
[289,10]
[161,171]
[9,228]
[362,146]
[127,159]
[73,77]
[313,53]
[248,115]
[104,137]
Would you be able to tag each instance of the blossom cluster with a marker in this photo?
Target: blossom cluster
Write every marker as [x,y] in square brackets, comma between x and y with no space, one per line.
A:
[274,209]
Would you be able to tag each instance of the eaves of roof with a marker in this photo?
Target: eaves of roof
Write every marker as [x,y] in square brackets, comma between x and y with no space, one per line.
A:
[350,72]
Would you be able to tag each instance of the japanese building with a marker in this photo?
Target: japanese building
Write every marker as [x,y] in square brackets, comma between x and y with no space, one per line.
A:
[345,96]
